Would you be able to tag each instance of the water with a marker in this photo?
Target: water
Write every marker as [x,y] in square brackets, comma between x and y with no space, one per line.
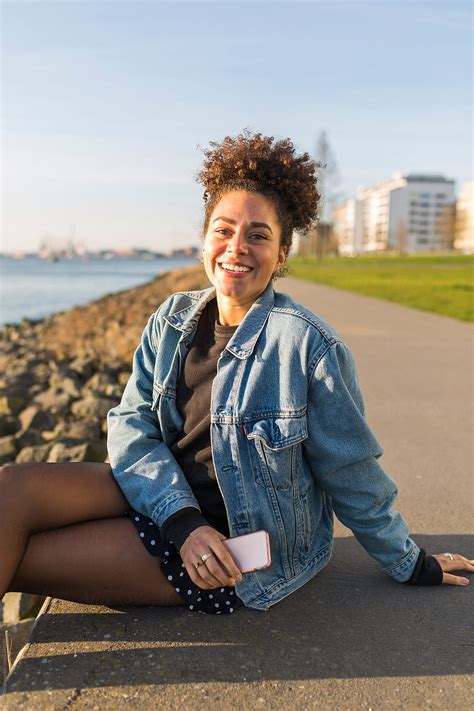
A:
[35,288]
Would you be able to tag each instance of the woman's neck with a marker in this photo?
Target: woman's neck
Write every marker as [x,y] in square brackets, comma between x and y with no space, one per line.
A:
[230,312]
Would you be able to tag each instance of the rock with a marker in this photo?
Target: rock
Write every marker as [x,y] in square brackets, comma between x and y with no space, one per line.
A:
[20,606]
[84,367]
[124,376]
[34,417]
[8,425]
[71,451]
[12,640]
[11,404]
[99,383]
[63,383]
[92,407]
[33,454]
[8,449]
[54,402]
[28,438]
[83,430]
[114,391]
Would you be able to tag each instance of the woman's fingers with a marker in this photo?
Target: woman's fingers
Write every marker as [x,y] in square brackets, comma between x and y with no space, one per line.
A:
[219,567]
[454,562]
[449,579]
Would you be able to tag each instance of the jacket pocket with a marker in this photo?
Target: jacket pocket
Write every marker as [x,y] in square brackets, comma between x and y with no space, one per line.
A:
[276,449]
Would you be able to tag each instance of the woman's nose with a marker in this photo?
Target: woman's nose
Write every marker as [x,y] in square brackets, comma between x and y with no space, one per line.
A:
[237,244]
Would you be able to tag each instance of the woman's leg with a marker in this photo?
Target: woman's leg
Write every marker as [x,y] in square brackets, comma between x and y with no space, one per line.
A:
[36,498]
[96,562]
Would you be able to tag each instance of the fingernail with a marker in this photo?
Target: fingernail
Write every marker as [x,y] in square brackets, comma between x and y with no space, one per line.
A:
[464,581]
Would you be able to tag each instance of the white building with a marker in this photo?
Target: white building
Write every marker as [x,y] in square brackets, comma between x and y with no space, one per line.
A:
[347,226]
[410,212]
[464,231]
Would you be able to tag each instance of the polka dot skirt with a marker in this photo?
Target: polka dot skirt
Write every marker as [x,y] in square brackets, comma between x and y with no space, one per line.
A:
[220,601]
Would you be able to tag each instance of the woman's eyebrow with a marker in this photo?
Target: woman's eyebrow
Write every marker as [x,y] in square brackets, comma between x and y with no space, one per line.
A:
[234,222]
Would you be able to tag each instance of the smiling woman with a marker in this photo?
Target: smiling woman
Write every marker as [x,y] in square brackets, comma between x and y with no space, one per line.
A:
[243,413]
[241,252]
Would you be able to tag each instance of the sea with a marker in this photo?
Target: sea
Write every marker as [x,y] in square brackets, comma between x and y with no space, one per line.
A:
[35,288]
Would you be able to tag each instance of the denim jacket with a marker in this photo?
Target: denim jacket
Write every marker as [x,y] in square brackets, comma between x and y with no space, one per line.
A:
[289,440]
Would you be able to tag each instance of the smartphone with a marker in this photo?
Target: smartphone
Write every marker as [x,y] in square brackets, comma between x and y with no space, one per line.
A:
[251,552]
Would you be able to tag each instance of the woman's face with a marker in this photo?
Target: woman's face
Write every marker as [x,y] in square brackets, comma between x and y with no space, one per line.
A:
[242,248]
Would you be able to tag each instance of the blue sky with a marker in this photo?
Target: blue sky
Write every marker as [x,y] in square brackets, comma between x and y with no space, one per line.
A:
[105,103]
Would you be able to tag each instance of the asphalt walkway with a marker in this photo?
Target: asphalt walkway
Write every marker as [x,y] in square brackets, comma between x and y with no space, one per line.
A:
[351,638]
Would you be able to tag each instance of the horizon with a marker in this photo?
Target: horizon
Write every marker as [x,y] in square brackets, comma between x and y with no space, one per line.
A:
[105,104]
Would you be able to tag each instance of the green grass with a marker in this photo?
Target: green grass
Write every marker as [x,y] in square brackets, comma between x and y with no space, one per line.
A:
[442,284]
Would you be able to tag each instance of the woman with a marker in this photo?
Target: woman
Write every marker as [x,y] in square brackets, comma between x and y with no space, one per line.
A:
[243,412]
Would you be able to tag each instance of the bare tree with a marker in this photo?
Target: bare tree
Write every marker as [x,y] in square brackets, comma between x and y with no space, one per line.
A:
[328,180]
[401,237]
[328,177]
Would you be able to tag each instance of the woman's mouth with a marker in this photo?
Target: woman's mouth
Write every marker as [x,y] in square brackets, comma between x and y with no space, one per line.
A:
[235,270]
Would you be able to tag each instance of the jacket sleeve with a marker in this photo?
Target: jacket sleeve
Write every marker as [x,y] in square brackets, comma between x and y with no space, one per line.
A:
[342,452]
[141,462]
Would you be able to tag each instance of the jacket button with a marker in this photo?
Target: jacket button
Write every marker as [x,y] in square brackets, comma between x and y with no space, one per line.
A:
[172,429]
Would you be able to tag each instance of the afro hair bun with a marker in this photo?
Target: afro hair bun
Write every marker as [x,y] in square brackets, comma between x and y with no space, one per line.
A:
[272,168]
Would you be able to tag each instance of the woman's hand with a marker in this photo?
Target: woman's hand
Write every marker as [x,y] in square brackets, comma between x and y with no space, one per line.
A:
[219,567]
[450,562]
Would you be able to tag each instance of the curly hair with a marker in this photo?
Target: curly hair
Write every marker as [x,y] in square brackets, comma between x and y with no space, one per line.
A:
[259,164]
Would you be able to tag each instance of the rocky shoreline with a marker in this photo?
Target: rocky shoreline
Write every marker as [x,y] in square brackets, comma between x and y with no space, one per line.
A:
[60,376]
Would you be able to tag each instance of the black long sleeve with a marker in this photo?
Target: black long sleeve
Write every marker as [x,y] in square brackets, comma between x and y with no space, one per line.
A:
[427,571]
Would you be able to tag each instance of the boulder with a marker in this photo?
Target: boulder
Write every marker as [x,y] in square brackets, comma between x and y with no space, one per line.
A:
[99,383]
[91,406]
[81,430]
[84,367]
[12,403]
[124,376]
[64,383]
[34,417]
[9,425]
[54,402]
[39,453]
[28,438]
[19,606]
[12,640]
[8,449]
[71,451]
[114,391]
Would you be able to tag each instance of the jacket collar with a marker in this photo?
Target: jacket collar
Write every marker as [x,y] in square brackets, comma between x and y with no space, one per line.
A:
[245,337]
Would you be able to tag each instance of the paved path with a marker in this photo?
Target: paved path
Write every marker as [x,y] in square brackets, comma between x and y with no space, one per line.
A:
[351,638]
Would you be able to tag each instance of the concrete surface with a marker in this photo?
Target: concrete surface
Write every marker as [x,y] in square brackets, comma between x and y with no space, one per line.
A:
[351,638]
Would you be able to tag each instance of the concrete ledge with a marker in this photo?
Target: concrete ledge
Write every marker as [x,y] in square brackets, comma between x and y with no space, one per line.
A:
[351,638]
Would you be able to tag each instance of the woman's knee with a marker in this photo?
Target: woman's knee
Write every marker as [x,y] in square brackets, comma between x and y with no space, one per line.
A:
[50,495]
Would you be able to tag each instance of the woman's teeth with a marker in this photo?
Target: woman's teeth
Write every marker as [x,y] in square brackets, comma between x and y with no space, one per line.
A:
[235,268]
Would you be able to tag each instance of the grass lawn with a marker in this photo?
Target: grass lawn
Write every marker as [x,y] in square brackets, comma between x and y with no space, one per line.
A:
[443,284]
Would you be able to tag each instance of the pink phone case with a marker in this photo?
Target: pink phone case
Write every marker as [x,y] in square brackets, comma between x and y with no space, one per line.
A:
[251,551]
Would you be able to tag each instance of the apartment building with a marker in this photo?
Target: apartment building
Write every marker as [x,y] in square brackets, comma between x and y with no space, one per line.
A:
[464,227]
[410,212]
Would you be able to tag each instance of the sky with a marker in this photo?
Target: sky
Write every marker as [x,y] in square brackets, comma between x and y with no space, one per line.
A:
[107,104]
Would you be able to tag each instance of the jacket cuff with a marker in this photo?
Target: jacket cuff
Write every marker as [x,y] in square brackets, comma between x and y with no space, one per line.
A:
[179,525]
[427,571]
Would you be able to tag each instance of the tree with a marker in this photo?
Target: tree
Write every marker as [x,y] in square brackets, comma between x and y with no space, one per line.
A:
[328,178]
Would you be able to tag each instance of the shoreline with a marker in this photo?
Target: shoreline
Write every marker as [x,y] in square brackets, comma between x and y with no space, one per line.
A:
[61,374]
[36,289]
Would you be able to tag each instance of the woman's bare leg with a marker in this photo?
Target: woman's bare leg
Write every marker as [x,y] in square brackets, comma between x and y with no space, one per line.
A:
[97,562]
[36,498]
